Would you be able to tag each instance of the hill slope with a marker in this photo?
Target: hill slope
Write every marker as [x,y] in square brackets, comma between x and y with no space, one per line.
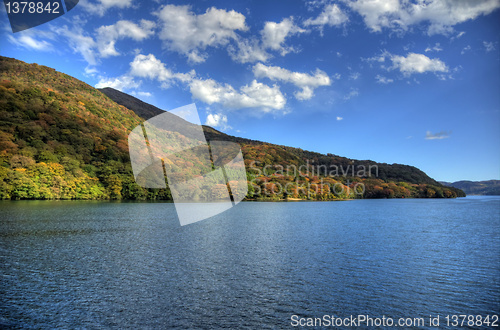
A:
[259,154]
[142,109]
[489,188]
[62,139]
[394,172]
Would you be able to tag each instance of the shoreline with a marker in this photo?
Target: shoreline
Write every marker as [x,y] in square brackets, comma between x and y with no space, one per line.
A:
[292,200]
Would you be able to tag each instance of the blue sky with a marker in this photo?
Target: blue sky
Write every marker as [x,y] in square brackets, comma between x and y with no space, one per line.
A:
[397,81]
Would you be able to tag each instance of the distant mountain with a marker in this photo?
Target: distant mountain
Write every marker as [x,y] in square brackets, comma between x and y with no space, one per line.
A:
[63,139]
[490,187]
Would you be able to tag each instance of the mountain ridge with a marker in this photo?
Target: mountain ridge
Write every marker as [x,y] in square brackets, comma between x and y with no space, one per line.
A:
[482,188]
[141,107]
[63,139]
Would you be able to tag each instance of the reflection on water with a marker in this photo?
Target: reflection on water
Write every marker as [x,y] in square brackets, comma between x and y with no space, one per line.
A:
[123,265]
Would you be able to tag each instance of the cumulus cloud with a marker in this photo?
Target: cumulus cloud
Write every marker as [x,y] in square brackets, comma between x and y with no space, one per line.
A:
[410,64]
[331,15]
[340,118]
[108,35]
[254,95]
[439,15]
[189,34]
[377,14]
[148,66]
[217,120]
[273,37]
[248,51]
[437,136]
[417,63]
[307,82]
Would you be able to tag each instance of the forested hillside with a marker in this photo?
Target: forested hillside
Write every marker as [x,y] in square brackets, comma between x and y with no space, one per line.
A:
[485,188]
[63,139]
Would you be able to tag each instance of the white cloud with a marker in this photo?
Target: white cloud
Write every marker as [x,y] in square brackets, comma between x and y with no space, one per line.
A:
[217,120]
[378,58]
[340,118]
[116,3]
[313,4]
[79,42]
[189,34]
[437,136]
[122,83]
[383,80]
[29,42]
[439,15]
[351,94]
[148,66]
[377,13]
[274,35]
[466,49]
[101,6]
[108,35]
[436,48]
[91,71]
[354,76]
[331,15]
[306,82]
[489,46]
[255,95]
[417,63]
[459,35]
[141,94]
[412,63]
[248,51]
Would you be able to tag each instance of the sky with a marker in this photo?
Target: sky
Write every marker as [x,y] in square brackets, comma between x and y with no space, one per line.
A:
[413,82]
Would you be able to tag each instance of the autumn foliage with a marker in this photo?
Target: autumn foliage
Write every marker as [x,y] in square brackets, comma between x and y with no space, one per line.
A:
[63,139]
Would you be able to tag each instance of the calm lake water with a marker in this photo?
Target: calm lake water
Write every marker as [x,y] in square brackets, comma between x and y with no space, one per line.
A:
[131,265]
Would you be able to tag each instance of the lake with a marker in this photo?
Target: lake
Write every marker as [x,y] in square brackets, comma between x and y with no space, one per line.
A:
[131,265]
